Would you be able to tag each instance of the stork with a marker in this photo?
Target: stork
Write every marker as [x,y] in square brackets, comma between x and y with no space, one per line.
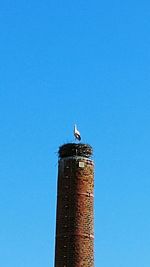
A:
[77,133]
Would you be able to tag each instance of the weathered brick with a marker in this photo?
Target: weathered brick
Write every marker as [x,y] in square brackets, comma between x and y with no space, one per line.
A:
[75,217]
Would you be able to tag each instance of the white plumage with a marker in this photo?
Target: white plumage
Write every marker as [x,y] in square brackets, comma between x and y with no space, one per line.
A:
[77,133]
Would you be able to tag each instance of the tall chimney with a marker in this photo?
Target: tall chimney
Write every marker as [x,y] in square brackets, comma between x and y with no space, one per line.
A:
[74,246]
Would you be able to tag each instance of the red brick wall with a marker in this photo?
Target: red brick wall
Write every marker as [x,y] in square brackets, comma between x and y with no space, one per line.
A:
[74,223]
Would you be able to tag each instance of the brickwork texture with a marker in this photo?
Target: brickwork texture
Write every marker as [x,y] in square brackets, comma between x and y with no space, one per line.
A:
[74,245]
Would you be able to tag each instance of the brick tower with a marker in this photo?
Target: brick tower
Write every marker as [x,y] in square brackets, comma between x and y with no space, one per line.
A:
[74,246]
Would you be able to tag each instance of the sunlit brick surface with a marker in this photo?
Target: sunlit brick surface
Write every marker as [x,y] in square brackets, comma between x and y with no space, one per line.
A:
[74,223]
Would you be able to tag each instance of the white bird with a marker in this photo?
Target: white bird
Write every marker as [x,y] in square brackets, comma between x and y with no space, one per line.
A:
[77,133]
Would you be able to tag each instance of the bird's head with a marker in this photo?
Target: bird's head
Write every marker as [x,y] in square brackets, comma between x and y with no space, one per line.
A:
[75,127]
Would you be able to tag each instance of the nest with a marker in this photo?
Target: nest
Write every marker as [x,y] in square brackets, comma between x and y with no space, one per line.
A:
[72,149]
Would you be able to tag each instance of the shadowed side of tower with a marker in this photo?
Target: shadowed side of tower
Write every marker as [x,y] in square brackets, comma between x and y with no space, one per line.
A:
[74,245]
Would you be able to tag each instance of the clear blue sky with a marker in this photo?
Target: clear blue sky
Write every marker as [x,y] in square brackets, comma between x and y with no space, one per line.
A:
[63,62]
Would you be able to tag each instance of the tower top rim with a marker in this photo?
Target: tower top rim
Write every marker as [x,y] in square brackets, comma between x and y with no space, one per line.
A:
[73,149]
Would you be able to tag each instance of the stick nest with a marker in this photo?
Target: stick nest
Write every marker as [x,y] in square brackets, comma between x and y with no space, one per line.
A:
[72,149]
